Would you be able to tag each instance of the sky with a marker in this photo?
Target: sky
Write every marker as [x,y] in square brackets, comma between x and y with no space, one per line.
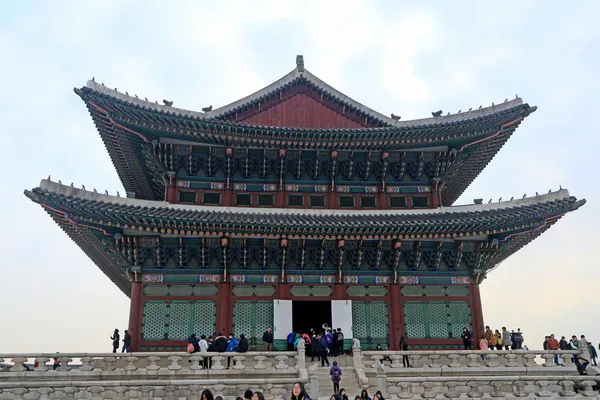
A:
[409,58]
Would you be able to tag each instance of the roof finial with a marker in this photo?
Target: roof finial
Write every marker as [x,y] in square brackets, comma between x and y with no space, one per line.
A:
[300,63]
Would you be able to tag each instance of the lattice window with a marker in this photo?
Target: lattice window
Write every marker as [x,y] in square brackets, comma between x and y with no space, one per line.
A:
[154,320]
[252,319]
[436,319]
[460,316]
[205,317]
[370,322]
[179,319]
[414,320]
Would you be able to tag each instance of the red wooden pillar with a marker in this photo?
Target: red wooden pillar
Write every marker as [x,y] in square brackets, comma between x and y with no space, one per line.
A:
[394,316]
[225,309]
[476,314]
[135,316]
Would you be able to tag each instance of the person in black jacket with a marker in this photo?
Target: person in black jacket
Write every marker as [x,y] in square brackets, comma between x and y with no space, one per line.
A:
[243,345]
[317,348]
[268,339]
[116,340]
[126,342]
[195,342]
[220,343]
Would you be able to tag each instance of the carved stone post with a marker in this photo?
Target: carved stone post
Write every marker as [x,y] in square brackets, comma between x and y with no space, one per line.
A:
[239,362]
[405,390]
[19,393]
[381,377]
[434,360]
[588,390]
[511,360]
[451,393]
[109,363]
[19,364]
[519,390]
[42,367]
[543,389]
[170,392]
[474,386]
[529,359]
[218,363]
[474,361]
[131,363]
[454,360]
[195,391]
[428,390]
[146,390]
[174,366]
[260,362]
[567,388]
[313,376]
[491,360]
[301,355]
[45,392]
[121,391]
[357,354]
[87,364]
[497,391]
[567,360]
[96,391]
[281,362]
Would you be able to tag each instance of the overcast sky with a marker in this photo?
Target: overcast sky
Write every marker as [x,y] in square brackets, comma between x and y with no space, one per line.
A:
[409,59]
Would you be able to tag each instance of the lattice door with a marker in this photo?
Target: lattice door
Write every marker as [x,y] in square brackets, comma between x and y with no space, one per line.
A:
[460,317]
[204,315]
[154,320]
[370,323]
[252,319]
[179,320]
[438,320]
[414,320]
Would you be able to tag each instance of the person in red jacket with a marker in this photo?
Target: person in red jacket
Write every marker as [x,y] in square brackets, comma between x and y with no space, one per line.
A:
[553,345]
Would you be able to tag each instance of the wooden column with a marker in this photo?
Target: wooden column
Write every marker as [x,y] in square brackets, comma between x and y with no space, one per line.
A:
[135,316]
[394,316]
[476,315]
[225,309]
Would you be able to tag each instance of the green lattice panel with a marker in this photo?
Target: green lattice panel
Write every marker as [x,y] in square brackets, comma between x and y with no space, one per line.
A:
[378,323]
[179,320]
[414,319]
[460,316]
[359,319]
[242,317]
[264,320]
[438,320]
[205,318]
[154,320]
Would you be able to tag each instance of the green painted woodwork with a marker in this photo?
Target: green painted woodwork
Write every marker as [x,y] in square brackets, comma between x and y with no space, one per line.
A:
[305,291]
[176,320]
[440,320]
[370,323]
[243,290]
[252,318]
[418,291]
[181,290]
[371,291]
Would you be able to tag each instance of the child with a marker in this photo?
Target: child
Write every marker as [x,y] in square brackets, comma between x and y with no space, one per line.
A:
[336,376]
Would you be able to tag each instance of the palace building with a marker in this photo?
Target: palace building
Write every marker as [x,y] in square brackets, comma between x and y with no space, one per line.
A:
[297,206]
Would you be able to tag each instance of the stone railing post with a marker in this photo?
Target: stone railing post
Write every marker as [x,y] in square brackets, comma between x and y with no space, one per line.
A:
[380,377]
[357,354]
[497,386]
[18,393]
[281,362]
[428,390]
[474,391]
[195,361]
[567,388]
[519,390]
[548,360]
[434,361]
[474,361]
[313,376]
[87,364]
[42,367]
[238,362]
[405,390]
[152,366]
[490,360]
[218,362]
[174,366]
[19,364]
[131,363]
[567,360]
[109,363]
[454,359]
[588,390]
[64,363]
[45,392]
[301,364]
[543,389]
[451,393]
[529,360]
[414,360]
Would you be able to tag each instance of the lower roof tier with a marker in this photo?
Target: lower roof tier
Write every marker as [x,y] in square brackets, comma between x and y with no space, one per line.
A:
[102,226]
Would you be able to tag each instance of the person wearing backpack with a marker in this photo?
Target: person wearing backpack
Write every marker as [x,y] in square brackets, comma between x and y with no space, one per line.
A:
[329,341]
[340,342]
[336,376]
[290,341]
[220,343]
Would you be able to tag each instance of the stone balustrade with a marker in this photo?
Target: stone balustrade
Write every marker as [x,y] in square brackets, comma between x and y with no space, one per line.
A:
[455,362]
[109,365]
[453,387]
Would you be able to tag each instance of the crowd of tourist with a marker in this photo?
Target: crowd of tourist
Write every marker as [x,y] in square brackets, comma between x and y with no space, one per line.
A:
[298,393]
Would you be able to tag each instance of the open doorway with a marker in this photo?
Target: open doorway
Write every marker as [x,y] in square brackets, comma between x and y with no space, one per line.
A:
[310,314]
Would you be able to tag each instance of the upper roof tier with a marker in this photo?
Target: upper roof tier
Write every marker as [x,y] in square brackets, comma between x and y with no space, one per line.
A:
[93,220]
[299,111]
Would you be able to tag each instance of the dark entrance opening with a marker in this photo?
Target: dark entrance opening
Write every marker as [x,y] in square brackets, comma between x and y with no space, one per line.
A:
[310,314]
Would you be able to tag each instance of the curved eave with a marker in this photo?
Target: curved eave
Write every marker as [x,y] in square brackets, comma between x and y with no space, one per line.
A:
[214,117]
[461,221]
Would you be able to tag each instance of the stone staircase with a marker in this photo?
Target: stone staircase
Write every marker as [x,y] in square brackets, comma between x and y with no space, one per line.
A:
[348,382]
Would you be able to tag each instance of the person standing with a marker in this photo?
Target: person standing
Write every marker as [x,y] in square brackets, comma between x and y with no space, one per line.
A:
[324,359]
[307,344]
[336,376]
[584,346]
[203,348]
[563,344]
[593,355]
[404,347]
[489,335]
[553,345]
[115,340]
[340,342]
[268,339]
[498,340]
[316,349]
[506,339]
[126,342]
[232,347]
[290,341]
[243,345]
[329,340]
[467,339]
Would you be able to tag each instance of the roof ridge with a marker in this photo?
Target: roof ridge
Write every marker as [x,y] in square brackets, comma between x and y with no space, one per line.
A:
[65,190]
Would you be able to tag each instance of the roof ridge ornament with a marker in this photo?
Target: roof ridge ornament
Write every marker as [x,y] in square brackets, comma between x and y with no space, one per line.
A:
[300,63]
